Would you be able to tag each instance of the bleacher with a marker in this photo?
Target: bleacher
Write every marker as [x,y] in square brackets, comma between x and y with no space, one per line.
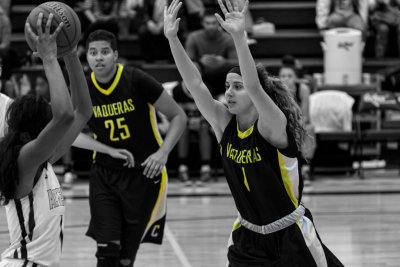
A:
[296,34]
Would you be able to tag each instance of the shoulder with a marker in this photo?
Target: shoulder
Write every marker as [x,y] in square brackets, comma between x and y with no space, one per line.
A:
[304,89]
[5,101]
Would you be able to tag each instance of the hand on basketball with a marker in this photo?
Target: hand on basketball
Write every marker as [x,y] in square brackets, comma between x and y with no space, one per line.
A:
[123,154]
[45,42]
[171,22]
[234,22]
[155,163]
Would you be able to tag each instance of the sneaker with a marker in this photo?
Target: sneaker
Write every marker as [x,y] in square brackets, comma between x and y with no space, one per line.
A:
[68,180]
[205,173]
[183,175]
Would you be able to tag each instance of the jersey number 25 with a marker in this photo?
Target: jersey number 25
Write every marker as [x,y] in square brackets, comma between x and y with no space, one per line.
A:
[124,130]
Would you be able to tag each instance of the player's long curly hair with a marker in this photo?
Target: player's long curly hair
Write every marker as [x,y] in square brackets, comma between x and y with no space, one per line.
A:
[26,117]
[282,97]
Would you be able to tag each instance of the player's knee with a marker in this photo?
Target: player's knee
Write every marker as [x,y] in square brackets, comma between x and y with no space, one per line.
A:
[126,263]
[108,254]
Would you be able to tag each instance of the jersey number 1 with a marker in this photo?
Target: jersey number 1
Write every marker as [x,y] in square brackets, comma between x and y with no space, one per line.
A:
[125,134]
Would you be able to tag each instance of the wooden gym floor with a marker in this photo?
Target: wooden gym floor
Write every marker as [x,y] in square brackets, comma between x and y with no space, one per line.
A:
[359,220]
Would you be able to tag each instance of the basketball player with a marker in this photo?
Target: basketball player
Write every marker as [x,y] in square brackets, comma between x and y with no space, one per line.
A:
[37,136]
[5,101]
[127,205]
[260,135]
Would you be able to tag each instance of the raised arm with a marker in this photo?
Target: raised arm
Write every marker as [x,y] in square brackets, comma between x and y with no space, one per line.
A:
[80,101]
[39,150]
[272,121]
[213,111]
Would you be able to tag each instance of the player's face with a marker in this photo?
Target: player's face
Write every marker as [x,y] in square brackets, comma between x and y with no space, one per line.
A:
[288,77]
[101,58]
[237,99]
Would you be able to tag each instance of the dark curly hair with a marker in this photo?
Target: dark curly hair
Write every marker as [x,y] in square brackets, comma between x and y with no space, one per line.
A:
[26,118]
[282,97]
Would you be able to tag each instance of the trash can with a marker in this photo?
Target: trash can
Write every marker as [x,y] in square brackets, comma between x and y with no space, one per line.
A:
[343,48]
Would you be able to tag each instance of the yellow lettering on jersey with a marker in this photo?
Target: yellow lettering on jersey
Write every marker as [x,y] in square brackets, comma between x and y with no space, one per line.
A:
[248,156]
[126,107]
[242,156]
[97,112]
[113,109]
[104,109]
[245,180]
[258,155]
[130,102]
[228,149]
[110,110]
[119,106]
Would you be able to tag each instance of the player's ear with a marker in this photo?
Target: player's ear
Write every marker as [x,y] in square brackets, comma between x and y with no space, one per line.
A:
[116,55]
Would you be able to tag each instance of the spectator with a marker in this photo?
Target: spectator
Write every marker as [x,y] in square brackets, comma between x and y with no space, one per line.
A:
[342,13]
[194,11]
[8,59]
[153,45]
[102,14]
[213,50]
[196,124]
[6,6]
[385,14]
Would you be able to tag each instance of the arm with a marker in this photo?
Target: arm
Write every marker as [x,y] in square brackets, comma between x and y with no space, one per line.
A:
[272,121]
[80,100]
[213,111]
[39,150]
[87,7]
[85,141]
[322,13]
[363,10]
[175,114]
[305,102]
[6,34]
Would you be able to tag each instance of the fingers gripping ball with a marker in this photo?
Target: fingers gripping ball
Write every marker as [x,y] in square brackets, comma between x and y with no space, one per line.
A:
[70,33]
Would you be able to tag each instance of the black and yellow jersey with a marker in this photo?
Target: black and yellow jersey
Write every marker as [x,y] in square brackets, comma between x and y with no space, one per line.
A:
[123,115]
[264,180]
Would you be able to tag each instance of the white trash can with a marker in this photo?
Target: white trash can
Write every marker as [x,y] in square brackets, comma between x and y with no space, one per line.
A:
[343,48]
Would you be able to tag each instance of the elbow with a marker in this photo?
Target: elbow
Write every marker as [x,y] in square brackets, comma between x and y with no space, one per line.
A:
[66,118]
[182,117]
[87,113]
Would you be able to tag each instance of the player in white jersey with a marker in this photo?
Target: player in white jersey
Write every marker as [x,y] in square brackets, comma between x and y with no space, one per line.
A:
[5,101]
[38,134]
[34,218]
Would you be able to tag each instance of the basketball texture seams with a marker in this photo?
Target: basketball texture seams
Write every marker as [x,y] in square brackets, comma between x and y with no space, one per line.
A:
[69,35]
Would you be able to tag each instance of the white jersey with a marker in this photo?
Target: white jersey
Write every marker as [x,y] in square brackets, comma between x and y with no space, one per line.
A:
[5,101]
[36,224]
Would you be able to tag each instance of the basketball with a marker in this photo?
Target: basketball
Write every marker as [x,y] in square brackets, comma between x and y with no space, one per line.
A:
[69,35]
